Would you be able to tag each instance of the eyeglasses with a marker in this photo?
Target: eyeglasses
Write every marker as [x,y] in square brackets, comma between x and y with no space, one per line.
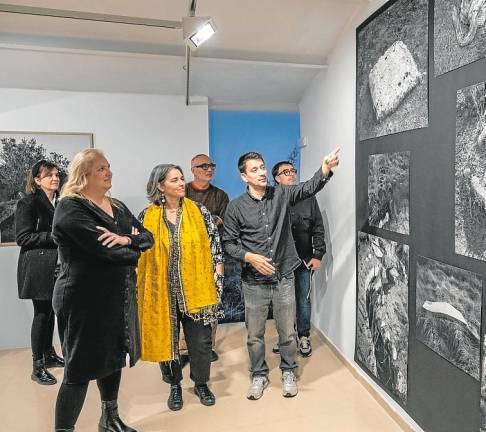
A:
[206,166]
[288,172]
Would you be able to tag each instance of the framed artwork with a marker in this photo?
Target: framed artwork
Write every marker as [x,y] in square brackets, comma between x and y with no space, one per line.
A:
[459,33]
[18,152]
[382,312]
[389,191]
[392,85]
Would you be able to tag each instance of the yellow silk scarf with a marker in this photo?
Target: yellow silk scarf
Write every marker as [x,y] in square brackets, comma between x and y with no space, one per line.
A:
[196,276]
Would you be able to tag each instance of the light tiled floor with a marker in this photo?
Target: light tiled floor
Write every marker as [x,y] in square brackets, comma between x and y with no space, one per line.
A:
[330,399]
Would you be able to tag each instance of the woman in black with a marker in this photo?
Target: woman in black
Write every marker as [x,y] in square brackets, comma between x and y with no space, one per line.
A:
[95,295]
[37,263]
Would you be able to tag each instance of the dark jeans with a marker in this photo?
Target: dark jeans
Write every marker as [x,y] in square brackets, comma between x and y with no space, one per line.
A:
[257,301]
[302,300]
[198,341]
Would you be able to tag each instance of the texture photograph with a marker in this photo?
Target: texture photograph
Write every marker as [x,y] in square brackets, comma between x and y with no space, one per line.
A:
[389,191]
[459,33]
[392,57]
[382,318]
[448,313]
[18,152]
[483,388]
[470,170]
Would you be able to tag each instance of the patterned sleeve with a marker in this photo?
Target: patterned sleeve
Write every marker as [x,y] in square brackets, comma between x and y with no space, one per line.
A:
[214,239]
[216,249]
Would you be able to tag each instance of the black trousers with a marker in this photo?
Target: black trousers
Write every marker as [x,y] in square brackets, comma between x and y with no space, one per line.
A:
[42,328]
[70,398]
[199,342]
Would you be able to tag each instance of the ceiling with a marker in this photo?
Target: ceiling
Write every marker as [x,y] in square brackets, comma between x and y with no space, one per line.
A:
[265,52]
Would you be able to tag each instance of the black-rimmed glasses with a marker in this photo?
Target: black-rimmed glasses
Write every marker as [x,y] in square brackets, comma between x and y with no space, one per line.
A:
[288,172]
[206,166]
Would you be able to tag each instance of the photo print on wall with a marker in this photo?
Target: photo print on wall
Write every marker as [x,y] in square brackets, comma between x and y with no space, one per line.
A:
[482,404]
[459,33]
[389,191]
[382,317]
[392,64]
[18,152]
[448,307]
[470,167]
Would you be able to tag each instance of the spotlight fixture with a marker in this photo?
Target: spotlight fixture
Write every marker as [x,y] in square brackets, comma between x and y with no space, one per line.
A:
[197,30]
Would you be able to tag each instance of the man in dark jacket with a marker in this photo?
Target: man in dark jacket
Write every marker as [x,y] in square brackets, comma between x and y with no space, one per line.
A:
[213,198]
[308,234]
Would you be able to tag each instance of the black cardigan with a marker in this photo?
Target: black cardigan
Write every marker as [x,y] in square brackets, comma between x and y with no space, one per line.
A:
[95,293]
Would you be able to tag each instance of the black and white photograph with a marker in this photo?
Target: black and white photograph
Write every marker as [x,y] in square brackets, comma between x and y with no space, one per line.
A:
[392,70]
[382,324]
[18,152]
[470,167]
[389,191]
[232,299]
[448,313]
[459,33]
[483,388]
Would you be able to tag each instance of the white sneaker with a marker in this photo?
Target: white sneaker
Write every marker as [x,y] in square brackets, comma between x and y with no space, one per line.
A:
[258,384]
[289,384]
[305,347]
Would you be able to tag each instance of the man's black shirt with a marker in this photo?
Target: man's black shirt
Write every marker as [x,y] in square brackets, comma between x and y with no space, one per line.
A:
[263,227]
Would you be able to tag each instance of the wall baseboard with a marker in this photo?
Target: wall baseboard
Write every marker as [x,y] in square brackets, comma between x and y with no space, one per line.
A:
[397,418]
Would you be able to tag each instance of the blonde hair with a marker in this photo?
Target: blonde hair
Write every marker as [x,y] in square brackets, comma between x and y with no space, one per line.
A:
[78,171]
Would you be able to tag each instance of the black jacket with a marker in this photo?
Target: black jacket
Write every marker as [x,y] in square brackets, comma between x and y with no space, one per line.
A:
[95,292]
[308,229]
[38,252]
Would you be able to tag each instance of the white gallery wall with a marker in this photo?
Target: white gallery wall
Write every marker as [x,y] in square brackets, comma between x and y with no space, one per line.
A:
[327,120]
[135,131]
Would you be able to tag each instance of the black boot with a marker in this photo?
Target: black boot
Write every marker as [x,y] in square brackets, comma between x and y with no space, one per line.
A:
[41,375]
[175,401]
[110,421]
[206,396]
[52,360]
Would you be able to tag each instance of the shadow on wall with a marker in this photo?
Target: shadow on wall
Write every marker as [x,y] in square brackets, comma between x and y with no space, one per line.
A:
[330,318]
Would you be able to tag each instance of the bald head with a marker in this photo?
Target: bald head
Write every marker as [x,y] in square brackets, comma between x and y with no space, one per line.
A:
[202,168]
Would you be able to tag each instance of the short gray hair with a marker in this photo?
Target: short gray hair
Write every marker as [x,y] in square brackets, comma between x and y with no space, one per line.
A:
[158,174]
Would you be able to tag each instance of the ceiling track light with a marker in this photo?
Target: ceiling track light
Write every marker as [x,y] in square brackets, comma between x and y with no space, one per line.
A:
[195,30]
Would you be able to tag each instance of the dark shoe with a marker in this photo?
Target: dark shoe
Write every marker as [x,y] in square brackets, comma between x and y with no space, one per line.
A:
[206,396]
[214,356]
[52,360]
[110,421]
[41,375]
[65,430]
[175,401]
[184,360]
[305,347]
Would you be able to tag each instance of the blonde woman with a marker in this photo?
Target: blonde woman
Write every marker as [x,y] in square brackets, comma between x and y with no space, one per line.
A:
[94,297]
[180,281]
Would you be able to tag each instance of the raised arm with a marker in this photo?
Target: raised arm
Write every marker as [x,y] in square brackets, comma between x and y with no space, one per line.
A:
[317,182]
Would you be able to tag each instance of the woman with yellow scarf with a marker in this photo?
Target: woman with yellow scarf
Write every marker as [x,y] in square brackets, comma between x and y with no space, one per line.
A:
[180,281]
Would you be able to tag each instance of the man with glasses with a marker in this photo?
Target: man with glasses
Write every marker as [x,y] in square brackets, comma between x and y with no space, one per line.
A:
[257,232]
[308,234]
[213,198]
